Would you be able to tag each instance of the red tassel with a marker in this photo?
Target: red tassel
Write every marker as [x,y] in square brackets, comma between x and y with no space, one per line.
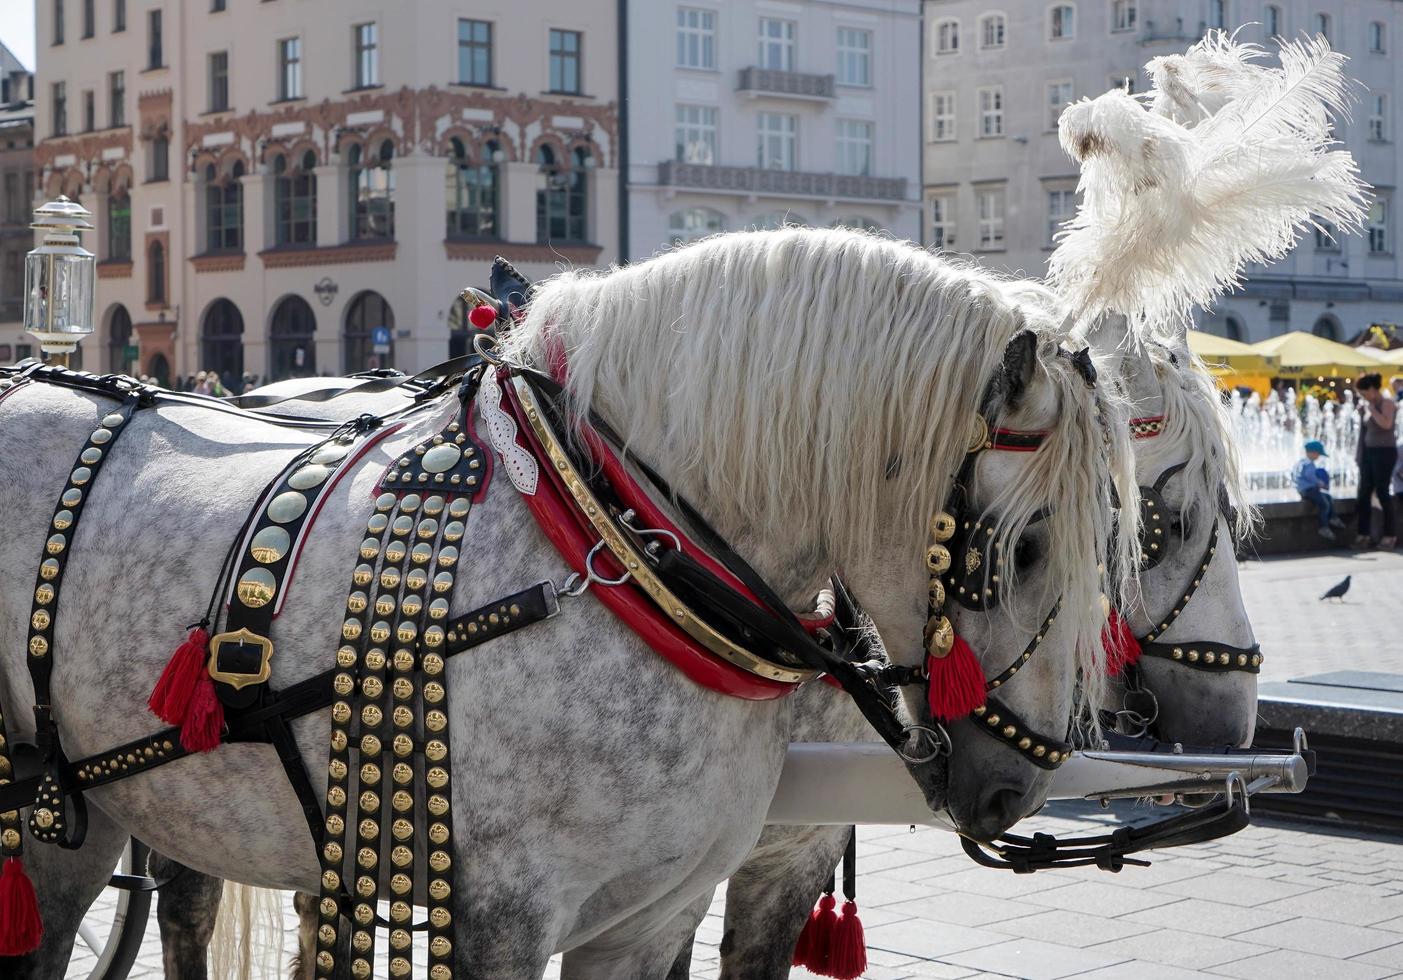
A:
[847,955]
[811,951]
[482,317]
[956,682]
[20,925]
[204,723]
[170,698]
[1122,649]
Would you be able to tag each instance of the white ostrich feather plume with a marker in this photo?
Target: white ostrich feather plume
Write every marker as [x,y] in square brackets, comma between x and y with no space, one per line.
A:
[1229,165]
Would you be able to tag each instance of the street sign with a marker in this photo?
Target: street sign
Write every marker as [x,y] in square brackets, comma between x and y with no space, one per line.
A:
[129,353]
[380,340]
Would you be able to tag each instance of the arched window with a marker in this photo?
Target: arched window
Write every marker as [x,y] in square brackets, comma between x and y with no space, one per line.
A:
[991,30]
[119,338]
[222,343]
[156,273]
[471,191]
[365,317]
[295,200]
[857,222]
[160,369]
[1322,25]
[1061,21]
[460,329]
[224,209]
[372,183]
[947,37]
[693,223]
[562,200]
[119,226]
[1328,327]
[1272,21]
[1233,329]
[292,348]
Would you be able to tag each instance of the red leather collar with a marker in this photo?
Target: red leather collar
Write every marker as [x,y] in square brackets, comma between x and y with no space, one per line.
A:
[569,531]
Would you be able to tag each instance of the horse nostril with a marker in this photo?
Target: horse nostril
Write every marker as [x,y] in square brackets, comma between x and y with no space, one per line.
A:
[997,810]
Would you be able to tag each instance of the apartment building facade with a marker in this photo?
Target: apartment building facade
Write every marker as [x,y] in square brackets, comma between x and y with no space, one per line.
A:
[756,113]
[998,185]
[287,188]
[16,177]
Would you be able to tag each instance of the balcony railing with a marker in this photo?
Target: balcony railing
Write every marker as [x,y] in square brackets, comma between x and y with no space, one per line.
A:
[769,81]
[798,183]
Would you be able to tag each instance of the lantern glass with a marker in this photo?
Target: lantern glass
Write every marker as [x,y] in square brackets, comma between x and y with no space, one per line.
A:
[58,281]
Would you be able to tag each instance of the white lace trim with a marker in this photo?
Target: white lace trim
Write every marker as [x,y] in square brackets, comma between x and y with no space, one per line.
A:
[501,429]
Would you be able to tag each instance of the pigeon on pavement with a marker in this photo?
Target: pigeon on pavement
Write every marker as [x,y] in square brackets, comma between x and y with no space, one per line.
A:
[1338,591]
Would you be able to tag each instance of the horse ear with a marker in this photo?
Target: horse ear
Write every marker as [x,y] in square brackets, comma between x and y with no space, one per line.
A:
[1016,372]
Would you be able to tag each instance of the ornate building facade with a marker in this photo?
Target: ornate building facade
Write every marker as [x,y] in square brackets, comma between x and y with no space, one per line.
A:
[16,179]
[286,189]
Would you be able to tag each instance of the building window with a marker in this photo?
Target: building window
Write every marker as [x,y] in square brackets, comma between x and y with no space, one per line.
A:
[1124,81]
[89,110]
[991,111]
[1378,116]
[696,38]
[117,99]
[217,6]
[372,183]
[1217,14]
[366,46]
[158,165]
[119,16]
[947,37]
[1273,20]
[89,18]
[565,62]
[1059,94]
[693,223]
[472,191]
[119,227]
[1233,329]
[59,105]
[295,200]
[991,218]
[155,50]
[1327,237]
[156,273]
[942,116]
[1062,22]
[942,222]
[119,338]
[854,148]
[1061,205]
[1123,15]
[1377,226]
[13,211]
[222,343]
[772,220]
[224,209]
[292,347]
[219,81]
[562,203]
[1327,327]
[368,313]
[290,68]
[696,134]
[474,52]
[58,21]
[778,140]
[1378,37]
[777,43]
[991,30]
[1322,25]
[854,56]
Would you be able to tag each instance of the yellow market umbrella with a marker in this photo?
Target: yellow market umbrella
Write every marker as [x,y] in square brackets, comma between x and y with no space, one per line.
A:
[1388,357]
[1230,357]
[1304,355]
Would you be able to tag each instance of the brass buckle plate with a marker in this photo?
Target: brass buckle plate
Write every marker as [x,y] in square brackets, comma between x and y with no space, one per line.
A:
[241,637]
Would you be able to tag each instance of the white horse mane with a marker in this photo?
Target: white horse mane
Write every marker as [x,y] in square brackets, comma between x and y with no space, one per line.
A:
[797,366]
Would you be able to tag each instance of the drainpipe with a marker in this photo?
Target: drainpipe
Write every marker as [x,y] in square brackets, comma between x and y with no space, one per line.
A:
[622,149]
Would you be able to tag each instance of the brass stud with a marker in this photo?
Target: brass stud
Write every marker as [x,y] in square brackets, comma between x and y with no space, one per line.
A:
[1039,750]
[439,890]
[1009,731]
[1024,743]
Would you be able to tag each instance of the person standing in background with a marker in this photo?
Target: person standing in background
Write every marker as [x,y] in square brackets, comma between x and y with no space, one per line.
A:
[1377,454]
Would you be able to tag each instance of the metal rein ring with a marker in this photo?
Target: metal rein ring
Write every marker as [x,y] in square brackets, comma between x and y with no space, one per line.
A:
[485,346]
[940,740]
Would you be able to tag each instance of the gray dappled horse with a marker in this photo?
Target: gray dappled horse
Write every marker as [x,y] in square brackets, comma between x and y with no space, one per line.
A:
[812,392]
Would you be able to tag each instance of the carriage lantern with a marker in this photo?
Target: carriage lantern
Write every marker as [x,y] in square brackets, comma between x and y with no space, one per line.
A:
[58,279]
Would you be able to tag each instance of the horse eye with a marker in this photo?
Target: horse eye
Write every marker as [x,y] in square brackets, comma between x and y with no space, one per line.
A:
[1025,553]
[1181,528]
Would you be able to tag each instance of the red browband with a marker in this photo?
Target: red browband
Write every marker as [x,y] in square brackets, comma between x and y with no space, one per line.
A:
[1015,440]
[1147,427]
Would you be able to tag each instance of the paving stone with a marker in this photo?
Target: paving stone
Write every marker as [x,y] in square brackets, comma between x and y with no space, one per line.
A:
[1392,925]
[1318,936]
[883,957]
[1094,898]
[1034,960]
[928,940]
[1073,928]
[1389,956]
[964,909]
[1175,948]
[1285,964]
[1233,888]
[996,884]
[1158,873]
[926,970]
[1138,970]
[918,869]
[1197,915]
[880,890]
[1353,904]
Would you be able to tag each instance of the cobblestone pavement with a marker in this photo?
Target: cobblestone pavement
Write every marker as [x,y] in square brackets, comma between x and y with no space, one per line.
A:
[1276,902]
